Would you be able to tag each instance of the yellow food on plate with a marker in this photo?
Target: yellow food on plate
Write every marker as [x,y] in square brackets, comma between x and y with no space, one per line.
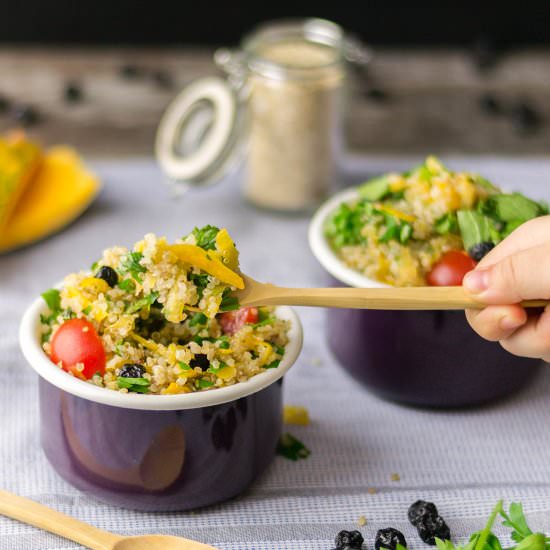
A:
[19,160]
[59,192]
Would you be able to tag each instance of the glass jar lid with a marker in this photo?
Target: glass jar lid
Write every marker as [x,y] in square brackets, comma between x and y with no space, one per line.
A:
[200,133]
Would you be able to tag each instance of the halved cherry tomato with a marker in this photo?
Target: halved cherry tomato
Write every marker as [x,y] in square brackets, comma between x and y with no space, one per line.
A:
[77,342]
[233,321]
[450,269]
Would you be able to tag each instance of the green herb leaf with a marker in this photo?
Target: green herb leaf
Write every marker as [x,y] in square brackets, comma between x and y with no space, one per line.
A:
[447,224]
[515,519]
[474,227]
[405,233]
[183,366]
[199,319]
[136,385]
[223,342]
[203,383]
[292,448]
[375,189]
[344,227]
[273,364]
[206,236]
[127,285]
[142,303]
[264,322]
[131,265]
[485,184]
[229,302]
[52,298]
[514,207]
[87,310]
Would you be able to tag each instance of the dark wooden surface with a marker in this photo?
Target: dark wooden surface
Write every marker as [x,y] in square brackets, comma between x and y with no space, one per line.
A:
[432,102]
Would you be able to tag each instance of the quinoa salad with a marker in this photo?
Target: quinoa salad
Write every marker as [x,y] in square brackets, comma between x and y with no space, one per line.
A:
[429,225]
[162,319]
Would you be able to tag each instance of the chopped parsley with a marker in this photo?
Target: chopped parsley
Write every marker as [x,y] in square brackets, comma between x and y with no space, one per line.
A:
[200,280]
[87,310]
[273,364]
[52,298]
[184,366]
[206,236]
[131,265]
[199,319]
[203,383]
[127,285]
[292,448]
[229,302]
[223,342]
[136,385]
[145,302]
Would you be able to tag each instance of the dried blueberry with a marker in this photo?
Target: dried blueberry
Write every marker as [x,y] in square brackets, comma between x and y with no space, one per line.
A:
[432,527]
[200,360]
[132,370]
[524,117]
[479,250]
[389,538]
[73,93]
[348,539]
[489,104]
[26,115]
[419,510]
[108,274]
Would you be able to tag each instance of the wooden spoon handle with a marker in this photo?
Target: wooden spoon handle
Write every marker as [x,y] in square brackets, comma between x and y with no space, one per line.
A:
[29,511]
[412,298]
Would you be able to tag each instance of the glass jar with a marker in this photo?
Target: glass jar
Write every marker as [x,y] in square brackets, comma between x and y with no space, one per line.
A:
[287,83]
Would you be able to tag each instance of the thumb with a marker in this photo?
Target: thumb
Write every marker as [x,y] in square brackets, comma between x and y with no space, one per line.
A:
[524,275]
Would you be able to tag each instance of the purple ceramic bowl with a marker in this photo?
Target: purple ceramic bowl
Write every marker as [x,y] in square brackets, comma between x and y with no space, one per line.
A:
[158,452]
[424,358]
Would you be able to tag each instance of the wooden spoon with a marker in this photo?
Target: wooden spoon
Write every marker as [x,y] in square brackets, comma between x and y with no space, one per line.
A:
[413,297]
[29,511]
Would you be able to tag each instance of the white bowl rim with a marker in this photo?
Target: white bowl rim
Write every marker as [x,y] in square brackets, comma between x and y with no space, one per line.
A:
[29,340]
[323,251]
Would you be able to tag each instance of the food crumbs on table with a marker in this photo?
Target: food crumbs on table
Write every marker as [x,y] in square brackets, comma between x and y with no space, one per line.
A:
[316,362]
[362,521]
[297,415]
[372,490]
[395,477]
[292,448]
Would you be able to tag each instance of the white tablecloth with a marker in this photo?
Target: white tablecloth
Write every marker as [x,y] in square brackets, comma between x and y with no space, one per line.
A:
[464,461]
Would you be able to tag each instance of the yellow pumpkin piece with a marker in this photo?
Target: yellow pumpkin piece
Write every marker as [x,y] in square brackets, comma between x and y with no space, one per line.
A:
[395,213]
[99,285]
[227,372]
[59,192]
[226,248]
[19,161]
[197,257]
[144,342]
[174,389]
[266,351]
[227,351]
[294,414]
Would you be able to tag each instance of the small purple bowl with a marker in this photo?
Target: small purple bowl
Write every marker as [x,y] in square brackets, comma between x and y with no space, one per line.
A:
[158,452]
[421,358]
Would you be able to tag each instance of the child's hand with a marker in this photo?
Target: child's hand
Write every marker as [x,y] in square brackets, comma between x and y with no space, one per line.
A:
[517,269]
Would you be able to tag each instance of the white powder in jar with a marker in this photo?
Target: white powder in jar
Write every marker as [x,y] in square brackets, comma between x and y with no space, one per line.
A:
[295,126]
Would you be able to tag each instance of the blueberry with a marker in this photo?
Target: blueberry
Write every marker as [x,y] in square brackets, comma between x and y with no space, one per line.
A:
[432,527]
[389,538]
[348,539]
[200,360]
[26,115]
[73,93]
[108,274]
[478,251]
[132,370]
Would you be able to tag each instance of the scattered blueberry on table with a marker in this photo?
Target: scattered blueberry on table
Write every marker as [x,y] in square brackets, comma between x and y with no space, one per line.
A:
[430,525]
[389,538]
[73,92]
[26,115]
[348,540]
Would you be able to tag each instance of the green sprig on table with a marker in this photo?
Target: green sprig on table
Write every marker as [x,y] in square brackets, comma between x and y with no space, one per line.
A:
[485,539]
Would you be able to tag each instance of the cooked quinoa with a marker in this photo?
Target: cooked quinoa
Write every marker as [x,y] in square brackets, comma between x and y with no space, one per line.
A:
[166,317]
[402,224]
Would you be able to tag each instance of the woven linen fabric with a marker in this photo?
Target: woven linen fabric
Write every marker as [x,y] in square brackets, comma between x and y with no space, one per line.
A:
[463,460]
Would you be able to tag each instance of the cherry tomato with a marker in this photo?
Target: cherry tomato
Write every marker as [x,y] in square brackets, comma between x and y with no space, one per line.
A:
[232,321]
[76,341]
[450,269]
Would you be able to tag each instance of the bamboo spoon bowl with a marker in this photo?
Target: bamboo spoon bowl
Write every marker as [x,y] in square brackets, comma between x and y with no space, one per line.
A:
[394,298]
[30,512]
